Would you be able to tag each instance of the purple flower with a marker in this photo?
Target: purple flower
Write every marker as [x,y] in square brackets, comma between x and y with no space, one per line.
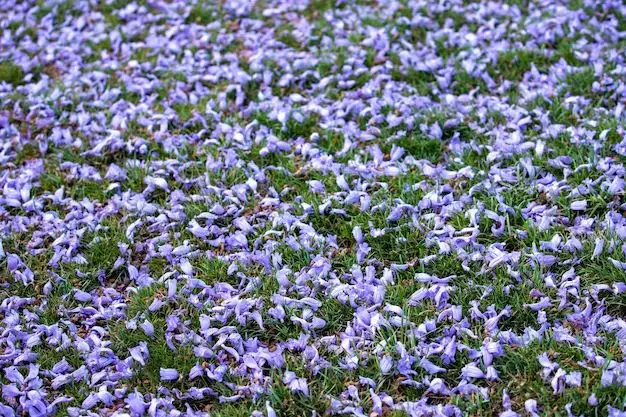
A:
[295,384]
[140,353]
[147,328]
[544,303]
[136,403]
[472,371]
[82,296]
[385,364]
[168,374]
[430,367]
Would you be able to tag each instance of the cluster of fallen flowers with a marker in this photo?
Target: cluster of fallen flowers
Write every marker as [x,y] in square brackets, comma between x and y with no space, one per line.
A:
[289,207]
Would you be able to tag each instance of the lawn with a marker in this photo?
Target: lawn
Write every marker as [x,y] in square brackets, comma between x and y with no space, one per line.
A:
[312,208]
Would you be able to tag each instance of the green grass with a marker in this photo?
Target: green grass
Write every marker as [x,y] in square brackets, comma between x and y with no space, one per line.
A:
[512,65]
[422,148]
[11,73]
[213,270]
[285,35]
[202,14]
[160,354]
[464,83]
[580,83]
[422,81]
[520,373]
[316,8]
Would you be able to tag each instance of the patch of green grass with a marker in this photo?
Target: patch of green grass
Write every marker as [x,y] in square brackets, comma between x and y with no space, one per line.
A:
[422,148]
[161,356]
[331,142]
[286,36]
[135,178]
[108,9]
[201,13]
[93,191]
[612,138]
[292,127]
[402,246]
[11,73]
[336,314]
[142,55]
[228,177]
[453,17]
[464,83]
[324,68]
[49,356]
[316,8]
[213,270]
[51,181]
[239,409]
[580,83]
[557,109]
[99,47]
[295,260]
[28,152]
[328,382]
[421,80]
[185,111]
[141,299]
[362,79]
[42,9]
[444,48]
[62,10]
[329,224]
[513,64]
[99,248]
[602,271]
[520,374]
